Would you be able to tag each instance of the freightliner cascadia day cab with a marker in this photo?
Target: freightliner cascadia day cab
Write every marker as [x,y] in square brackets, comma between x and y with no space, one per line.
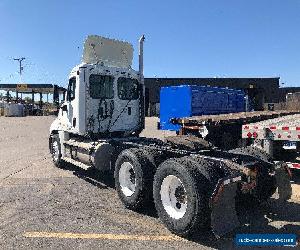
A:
[193,184]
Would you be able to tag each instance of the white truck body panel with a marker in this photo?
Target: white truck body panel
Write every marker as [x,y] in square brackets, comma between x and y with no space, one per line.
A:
[120,120]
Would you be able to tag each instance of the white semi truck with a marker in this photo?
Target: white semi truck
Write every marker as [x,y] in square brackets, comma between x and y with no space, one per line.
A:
[194,185]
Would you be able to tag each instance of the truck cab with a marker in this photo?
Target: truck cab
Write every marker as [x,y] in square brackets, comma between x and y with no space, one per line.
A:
[105,95]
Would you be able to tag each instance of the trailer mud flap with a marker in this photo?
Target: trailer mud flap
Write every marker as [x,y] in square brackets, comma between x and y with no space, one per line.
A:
[224,217]
[282,174]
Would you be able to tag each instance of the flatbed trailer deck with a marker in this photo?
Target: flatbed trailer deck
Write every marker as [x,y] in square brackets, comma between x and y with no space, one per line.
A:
[241,117]
[272,134]
[225,130]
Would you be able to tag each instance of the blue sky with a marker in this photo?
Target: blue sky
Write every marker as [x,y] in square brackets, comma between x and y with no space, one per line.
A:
[232,38]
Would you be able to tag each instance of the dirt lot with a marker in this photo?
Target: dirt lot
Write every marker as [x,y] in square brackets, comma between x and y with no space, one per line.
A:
[45,207]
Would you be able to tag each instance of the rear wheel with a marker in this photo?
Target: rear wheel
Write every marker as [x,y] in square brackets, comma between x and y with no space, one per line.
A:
[181,197]
[265,186]
[133,178]
[265,183]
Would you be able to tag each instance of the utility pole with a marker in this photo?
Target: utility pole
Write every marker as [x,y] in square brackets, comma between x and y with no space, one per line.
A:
[20,72]
[20,65]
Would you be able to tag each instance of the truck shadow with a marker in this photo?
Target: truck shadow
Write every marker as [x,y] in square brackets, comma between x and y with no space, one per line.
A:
[102,180]
[105,180]
[272,217]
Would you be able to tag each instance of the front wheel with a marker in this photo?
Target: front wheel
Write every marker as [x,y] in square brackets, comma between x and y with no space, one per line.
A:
[56,151]
[181,197]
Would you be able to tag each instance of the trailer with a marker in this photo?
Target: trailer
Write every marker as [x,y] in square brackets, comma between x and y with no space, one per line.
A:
[194,185]
[224,130]
[279,137]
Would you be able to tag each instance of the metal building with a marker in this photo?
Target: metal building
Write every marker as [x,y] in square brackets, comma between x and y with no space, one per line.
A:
[260,90]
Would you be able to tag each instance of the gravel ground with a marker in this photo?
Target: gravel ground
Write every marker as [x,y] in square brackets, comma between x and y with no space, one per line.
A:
[38,198]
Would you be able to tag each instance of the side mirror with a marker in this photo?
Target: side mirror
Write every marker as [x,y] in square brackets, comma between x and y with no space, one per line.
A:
[55,94]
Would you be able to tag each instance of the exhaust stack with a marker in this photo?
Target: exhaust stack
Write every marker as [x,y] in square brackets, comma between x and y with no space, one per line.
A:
[141,58]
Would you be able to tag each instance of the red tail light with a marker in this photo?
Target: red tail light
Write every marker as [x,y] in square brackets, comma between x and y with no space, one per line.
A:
[255,134]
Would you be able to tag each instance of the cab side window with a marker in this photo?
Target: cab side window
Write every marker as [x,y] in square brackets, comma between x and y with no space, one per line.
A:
[101,86]
[128,88]
[71,89]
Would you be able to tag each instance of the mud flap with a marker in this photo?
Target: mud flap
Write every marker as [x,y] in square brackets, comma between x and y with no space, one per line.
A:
[283,181]
[224,217]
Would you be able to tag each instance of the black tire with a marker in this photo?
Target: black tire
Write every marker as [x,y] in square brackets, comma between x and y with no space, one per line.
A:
[265,184]
[155,157]
[56,152]
[143,171]
[196,186]
[265,187]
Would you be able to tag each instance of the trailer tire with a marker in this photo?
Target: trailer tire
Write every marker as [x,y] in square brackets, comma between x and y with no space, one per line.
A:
[266,184]
[266,187]
[134,173]
[56,151]
[181,199]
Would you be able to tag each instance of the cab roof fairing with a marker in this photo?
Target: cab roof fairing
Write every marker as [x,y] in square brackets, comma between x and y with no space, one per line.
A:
[107,52]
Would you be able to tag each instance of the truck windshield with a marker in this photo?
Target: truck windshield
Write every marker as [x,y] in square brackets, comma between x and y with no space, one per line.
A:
[128,88]
[101,87]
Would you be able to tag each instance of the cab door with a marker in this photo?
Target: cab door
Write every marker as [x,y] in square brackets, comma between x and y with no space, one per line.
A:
[68,106]
[101,103]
